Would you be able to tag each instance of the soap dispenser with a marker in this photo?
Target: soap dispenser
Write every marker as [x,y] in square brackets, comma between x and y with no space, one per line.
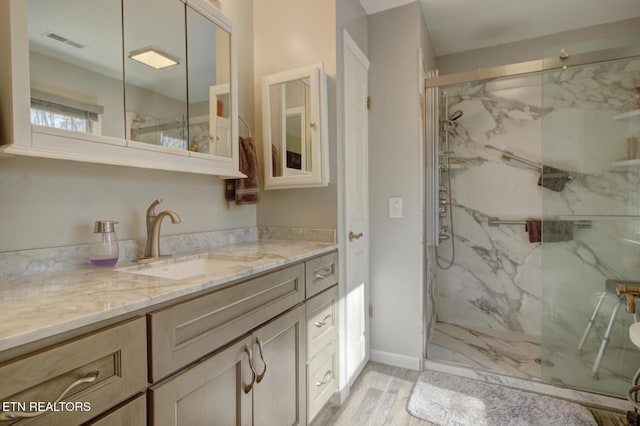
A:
[104,247]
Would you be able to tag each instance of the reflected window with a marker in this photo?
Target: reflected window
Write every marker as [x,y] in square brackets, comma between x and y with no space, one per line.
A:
[66,115]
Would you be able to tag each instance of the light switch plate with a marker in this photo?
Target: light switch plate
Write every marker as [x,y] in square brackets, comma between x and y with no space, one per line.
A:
[395,207]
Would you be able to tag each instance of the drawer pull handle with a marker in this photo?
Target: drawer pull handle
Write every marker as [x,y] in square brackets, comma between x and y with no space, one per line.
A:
[261,375]
[12,415]
[323,273]
[247,388]
[322,323]
[325,379]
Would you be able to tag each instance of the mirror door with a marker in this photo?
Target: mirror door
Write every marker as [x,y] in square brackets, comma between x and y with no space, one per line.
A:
[76,73]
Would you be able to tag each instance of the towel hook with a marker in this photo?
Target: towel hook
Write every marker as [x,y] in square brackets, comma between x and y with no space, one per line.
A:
[243,121]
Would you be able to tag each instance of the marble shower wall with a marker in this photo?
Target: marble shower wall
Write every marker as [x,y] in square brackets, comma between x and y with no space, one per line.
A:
[498,277]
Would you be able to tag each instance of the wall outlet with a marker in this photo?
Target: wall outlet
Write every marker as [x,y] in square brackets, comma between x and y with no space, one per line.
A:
[395,207]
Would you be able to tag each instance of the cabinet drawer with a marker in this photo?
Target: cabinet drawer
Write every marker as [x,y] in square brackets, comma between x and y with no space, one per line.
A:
[133,413]
[321,273]
[322,378]
[322,321]
[186,332]
[97,371]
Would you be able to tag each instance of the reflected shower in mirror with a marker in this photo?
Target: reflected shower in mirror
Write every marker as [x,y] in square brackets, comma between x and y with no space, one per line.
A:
[76,65]
[155,72]
[209,78]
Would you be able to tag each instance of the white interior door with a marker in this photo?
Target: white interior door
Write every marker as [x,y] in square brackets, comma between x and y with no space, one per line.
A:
[356,66]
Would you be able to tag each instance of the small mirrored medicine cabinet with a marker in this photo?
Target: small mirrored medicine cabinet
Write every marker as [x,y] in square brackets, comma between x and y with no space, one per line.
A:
[142,83]
[294,122]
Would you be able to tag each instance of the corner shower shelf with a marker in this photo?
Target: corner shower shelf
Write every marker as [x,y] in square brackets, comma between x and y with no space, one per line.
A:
[632,116]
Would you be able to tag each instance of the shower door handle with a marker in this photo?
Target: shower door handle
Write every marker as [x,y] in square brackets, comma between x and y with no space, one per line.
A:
[353,236]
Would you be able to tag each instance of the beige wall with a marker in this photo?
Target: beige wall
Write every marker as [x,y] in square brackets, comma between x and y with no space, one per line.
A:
[45,203]
[534,48]
[289,34]
[395,167]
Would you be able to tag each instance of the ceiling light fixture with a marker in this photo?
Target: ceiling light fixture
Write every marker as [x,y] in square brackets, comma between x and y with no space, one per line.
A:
[154,58]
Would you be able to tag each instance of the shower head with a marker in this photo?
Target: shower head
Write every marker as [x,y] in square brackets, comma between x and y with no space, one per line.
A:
[455,115]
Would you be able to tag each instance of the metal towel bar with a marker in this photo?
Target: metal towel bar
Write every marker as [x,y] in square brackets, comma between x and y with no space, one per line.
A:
[243,121]
[508,155]
[496,221]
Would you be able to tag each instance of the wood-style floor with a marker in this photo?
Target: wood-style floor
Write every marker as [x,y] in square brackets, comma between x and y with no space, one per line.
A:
[379,397]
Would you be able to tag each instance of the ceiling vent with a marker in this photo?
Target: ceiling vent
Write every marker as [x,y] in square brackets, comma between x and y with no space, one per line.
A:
[64,40]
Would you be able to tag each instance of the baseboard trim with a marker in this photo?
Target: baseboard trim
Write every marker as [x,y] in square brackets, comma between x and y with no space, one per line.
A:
[396,360]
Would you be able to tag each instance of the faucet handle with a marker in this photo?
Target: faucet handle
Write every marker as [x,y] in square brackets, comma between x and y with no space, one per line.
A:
[151,210]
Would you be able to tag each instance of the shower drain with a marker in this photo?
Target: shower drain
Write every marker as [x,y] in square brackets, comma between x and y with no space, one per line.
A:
[543,362]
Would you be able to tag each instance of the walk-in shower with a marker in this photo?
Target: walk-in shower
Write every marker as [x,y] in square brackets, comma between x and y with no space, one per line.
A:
[528,163]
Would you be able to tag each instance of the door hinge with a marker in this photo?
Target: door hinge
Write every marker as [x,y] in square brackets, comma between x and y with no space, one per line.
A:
[370,310]
[368,102]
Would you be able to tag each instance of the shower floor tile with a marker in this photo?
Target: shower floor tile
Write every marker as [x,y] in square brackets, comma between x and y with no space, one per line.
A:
[518,355]
[501,352]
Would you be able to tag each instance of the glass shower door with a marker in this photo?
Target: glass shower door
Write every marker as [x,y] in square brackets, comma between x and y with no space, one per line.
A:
[591,217]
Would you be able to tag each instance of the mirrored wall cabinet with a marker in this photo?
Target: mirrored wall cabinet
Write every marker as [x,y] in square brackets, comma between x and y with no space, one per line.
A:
[142,83]
[294,121]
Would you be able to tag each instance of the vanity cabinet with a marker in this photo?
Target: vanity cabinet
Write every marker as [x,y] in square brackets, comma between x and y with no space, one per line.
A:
[102,369]
[188,331]
[259,379]
[260,351]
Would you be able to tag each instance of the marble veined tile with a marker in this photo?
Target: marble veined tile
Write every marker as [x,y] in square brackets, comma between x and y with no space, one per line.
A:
[55,259]
[551,358]
[501,352]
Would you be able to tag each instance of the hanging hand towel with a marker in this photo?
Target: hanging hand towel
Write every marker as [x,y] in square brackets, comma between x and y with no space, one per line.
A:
[549,231]
[246,190]
[554,231]
[553,178]
[534,228]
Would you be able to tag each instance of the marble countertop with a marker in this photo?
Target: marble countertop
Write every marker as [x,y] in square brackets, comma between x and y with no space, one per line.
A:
[38,306]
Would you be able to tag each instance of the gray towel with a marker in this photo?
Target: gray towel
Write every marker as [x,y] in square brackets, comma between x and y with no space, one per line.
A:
[554,231]
[553,178]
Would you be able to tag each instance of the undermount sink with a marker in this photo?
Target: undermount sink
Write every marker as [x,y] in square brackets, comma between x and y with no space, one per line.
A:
[634,333]
[181,268]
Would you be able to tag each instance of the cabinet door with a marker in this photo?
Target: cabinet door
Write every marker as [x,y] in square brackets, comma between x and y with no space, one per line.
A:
[133,413]
[215,391]
[279,355]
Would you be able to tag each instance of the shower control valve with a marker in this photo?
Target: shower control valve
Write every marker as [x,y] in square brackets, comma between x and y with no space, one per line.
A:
[443,167]
[443,188]
[443,202]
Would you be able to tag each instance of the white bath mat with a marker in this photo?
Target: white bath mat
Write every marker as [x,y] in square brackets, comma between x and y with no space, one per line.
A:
[448,400]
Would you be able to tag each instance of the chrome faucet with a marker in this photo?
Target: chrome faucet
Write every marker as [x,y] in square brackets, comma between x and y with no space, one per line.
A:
[152,249]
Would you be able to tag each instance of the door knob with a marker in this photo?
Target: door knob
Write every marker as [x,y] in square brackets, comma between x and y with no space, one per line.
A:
[353,236]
